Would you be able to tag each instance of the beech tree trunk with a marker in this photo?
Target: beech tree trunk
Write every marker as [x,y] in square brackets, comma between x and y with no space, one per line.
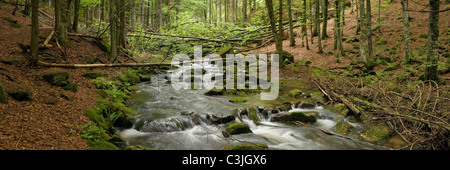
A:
[406,31]
[317,21]
[433,35]
[34,32]
[291,29]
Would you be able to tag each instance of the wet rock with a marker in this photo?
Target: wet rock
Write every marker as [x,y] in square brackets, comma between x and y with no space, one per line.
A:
[222,120]
[340,108]
[307,105]
[294,93]
[294,116]
[238,128]
[246,147]
[214,92]
[343,127]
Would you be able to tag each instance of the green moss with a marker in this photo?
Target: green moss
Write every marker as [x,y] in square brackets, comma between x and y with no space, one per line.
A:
[343,127]
[12,22]
[381,42]
[246,147]
[294,93]
[340,108]
[376,132]
[102,145]
[59,78]
[423,36]
[238,128]
[71,87]
[253,116]
[237,100]
[295,116]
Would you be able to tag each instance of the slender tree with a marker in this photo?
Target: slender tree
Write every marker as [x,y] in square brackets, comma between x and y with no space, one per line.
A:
[433,36]
[34,31]
[76,15]
[325,19]
[407,54]
[363,36]
[369,29]
[291,27]
[113,30]
[317,21]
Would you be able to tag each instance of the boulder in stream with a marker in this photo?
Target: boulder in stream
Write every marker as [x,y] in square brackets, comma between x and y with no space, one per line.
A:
[294,116]
[238,128]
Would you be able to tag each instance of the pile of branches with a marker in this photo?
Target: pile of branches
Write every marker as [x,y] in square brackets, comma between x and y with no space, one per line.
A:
[247,39]
[419,115]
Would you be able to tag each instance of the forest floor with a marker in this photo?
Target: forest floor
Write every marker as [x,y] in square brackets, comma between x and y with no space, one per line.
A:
[40,124]
[391,31]
[47,121]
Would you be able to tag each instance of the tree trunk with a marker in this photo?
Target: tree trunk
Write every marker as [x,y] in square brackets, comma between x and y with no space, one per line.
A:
[369,30]
[406,31]
[433,35]
[363,38]
[317,21]
[279,45]
[291,29]
[304,26]
[34,32]
[62,28]
[122,33]
[325,19]
[113,31]
[76,15]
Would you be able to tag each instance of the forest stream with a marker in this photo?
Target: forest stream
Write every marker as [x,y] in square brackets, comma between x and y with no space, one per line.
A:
[170,119]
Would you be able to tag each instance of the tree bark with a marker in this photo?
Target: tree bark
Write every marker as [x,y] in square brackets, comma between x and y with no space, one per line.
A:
[433,35]
[62,28]
[291,29]
[406,31]
[369,30]
[76,15]
[317,21]
[113,31]
[325,19]
[363,36]
[279,45]
[34,32]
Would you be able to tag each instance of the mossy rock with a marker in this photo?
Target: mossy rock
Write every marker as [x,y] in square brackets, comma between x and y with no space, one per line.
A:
[137,147]
[214,92]
[65,96]
[340,108]
[238,128]
[295,93]
[71,87]
[376,132]
[102,145]
[343,127]
[237,100]
[58,78]
[3,98]
[17,91]
[294,116]
[246,147]
[284,55]
[13,61]
[94,75]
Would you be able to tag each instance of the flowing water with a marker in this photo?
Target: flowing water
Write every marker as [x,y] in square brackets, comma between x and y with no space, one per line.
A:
[170,119]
